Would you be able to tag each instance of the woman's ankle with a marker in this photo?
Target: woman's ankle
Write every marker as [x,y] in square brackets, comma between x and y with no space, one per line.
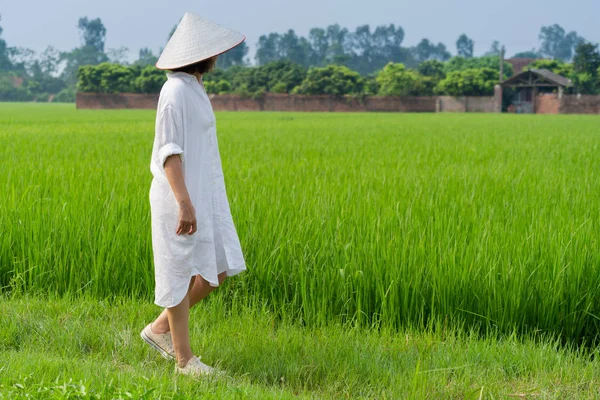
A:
[159,329]
[183,361]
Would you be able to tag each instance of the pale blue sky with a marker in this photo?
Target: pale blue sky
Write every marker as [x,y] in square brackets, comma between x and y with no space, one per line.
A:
[140,23]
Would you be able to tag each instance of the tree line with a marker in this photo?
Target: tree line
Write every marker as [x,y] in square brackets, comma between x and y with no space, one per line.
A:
[457,77]
[361,61]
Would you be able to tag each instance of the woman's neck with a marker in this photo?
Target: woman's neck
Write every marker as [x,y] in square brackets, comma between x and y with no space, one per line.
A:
[198,76]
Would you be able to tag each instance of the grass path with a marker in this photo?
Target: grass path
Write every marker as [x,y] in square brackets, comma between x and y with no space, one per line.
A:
[91,349]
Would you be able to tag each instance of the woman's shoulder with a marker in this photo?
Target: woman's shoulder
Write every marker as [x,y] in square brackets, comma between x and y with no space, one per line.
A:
[173,88]
[173,94]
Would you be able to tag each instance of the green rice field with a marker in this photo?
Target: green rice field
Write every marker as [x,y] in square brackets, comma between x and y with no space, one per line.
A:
[478,227]
[379,219]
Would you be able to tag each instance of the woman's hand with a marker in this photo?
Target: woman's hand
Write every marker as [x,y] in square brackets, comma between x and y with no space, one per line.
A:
[187,219]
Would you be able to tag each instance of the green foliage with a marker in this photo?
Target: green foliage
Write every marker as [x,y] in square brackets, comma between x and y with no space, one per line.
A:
[495,50]
[365,50]
[43,80]
[67,95]
[427,50]
[282,73]
[469,82]
[333,80]
[145,57]
[585,66]
[371,85]
[279,87]
[81,56]
[433,69]
[220,87]
[556,66]
[396,80]
[557,44]
[285,75]
[5,63]
[491,62]
[496,222]
[528,54]
[233,57]
[93,33]
[10,91]
[465,46]
[106,78]
[150,80]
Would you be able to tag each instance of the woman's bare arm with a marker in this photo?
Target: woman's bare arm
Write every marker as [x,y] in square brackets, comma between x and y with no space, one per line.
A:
[187,215]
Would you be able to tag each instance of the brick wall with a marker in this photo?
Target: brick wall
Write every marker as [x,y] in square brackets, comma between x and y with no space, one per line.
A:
[547,103]
[270,102]
[466,104]
[116,100]
[576,104]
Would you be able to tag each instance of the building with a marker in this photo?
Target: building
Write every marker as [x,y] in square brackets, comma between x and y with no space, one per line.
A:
[536,91]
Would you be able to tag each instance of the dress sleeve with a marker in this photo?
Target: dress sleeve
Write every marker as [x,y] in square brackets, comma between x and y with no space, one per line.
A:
[169,135]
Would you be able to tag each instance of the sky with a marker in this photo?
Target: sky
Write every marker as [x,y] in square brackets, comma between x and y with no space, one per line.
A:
[146,23]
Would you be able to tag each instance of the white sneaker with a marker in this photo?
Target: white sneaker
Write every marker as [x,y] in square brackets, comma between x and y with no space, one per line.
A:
[160,342]
[197,368]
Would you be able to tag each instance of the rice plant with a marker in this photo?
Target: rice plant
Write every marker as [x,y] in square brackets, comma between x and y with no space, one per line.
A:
[373,219]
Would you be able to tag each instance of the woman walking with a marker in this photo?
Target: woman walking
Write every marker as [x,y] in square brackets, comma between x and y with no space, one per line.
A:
[194,240]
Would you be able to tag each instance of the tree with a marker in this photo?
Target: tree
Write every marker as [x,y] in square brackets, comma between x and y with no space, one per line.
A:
[338,39]
[267,49]
[396,80]
[491,62]
[556,66]
[234,56]
[10,92]
[433,69]
[286,75]
[145,57]
[319,44]
[528,54]
[49,61]
[585,65]
[5,64]
[21,59]
[78,57]
[469,82]
[118,56]
[91,52]
[465,46]
[93,33]
[334,80]
[557,44]
[106,78]
[495,49]
[426,50]
[43,70]
[293,48]
[150,80]
[371,51]
[277,76]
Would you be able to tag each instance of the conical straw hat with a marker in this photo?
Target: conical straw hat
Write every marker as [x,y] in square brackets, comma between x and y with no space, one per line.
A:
[197,39]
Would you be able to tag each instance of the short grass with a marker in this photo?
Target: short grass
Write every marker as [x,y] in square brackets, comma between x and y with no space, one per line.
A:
[90,349]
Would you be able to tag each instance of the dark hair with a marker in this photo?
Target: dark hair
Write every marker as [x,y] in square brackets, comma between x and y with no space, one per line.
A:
[201,67]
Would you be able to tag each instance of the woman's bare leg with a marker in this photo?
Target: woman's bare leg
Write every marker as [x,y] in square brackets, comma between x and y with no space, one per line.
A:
[199,289]
[178,318]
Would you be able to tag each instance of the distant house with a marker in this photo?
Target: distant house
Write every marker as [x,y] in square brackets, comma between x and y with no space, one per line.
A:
[520,64]
[530,85]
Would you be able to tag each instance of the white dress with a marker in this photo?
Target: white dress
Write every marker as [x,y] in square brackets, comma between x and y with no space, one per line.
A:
[185,125]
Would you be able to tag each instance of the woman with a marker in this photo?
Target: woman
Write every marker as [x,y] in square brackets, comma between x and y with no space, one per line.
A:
[194,240]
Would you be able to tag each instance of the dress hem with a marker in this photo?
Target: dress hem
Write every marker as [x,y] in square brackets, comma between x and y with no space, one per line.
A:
[229,273]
